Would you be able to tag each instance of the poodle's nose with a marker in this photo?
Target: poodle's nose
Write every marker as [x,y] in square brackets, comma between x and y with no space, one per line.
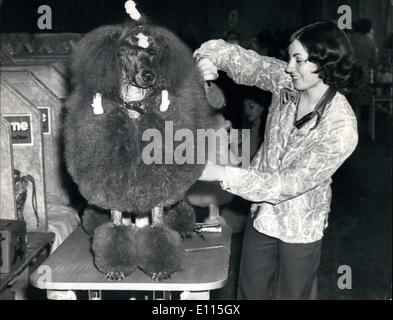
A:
[148,77]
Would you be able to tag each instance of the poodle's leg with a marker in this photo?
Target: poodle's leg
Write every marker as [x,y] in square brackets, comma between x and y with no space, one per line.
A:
[157,214]
[116,217]
[141,222]
[114,250]
[94,217]
[160,251]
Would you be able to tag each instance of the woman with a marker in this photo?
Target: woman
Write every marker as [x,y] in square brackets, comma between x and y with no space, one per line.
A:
[310,131]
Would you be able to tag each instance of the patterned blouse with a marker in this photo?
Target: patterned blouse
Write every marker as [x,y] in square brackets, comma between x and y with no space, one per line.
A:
[289,178]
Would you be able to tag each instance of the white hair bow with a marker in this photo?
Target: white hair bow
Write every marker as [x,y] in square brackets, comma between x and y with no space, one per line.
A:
[131,9]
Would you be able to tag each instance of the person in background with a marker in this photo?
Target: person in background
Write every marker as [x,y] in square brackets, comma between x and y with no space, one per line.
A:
[254,112]
[310,131]
[366,55]
[268,42]
[363,43]
[231,90]
[232,36]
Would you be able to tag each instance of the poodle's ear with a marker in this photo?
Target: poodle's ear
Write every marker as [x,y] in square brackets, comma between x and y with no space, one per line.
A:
[159,48]
[175,57]
[95,64]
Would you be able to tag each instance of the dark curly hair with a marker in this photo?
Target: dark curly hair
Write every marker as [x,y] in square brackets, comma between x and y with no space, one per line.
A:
[331,50]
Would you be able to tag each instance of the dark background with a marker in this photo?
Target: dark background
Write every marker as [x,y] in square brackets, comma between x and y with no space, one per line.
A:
[200,19]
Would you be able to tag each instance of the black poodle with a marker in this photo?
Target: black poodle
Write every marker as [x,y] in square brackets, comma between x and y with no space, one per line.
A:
[104,151]
[123,78]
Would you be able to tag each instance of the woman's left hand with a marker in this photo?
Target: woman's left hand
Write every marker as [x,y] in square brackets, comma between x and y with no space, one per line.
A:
[212,172]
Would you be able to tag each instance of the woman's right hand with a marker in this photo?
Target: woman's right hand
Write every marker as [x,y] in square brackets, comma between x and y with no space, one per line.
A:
[207,69]
[208,57]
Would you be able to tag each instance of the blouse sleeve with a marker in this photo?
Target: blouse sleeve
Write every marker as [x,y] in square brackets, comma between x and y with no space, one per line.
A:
[246,66]
[323,158]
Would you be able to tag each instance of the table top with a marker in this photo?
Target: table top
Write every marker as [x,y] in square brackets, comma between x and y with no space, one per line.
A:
[36,242]
[71,267]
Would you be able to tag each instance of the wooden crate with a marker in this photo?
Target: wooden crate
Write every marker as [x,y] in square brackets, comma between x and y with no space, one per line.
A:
[39,59]
[49,75]
[52,107]
[27,144]
[7,191]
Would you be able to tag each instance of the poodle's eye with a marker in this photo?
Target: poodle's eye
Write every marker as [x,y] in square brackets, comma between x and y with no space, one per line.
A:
[122,53]
[150,51]
[131,40]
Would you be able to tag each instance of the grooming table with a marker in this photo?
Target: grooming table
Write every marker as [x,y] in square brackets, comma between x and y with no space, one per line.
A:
[71,268]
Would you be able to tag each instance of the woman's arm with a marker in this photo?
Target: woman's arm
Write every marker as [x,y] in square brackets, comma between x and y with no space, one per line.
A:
[246,66]
[321,161]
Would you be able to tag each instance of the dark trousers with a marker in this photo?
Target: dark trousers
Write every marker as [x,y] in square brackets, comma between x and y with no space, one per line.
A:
[273,269]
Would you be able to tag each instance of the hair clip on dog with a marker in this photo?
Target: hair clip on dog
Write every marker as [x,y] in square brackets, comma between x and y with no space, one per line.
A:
[97,104]
[143,41]
[132,11]
[164,101]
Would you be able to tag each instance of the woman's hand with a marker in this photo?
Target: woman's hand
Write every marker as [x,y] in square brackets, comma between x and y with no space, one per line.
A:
[207,56]
[212,172]
[207,68]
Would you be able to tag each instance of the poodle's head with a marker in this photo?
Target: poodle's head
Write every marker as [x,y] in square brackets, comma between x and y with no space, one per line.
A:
[139,56]
[121,61]
[137,62]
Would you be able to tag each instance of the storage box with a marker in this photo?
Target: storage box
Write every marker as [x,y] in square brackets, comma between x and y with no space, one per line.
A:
[12,244]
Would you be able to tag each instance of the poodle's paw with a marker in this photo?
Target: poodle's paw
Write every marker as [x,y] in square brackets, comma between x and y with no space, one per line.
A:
[114,249]
[181,218]
[160,276]
[186,235]
[93,218]
[115,276]
[160,251]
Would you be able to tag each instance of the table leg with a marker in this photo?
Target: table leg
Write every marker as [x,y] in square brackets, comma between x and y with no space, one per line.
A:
[95,295]
[195,295]
[60,295]
[164,295]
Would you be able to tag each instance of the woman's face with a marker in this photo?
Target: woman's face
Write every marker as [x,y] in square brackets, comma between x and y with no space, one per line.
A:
[300,69]
[252,110]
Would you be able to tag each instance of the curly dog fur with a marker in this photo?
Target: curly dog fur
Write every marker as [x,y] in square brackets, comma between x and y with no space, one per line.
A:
[104,151]
[119,250]
[114,247]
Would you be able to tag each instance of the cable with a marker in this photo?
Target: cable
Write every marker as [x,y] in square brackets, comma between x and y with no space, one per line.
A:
[34,199]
